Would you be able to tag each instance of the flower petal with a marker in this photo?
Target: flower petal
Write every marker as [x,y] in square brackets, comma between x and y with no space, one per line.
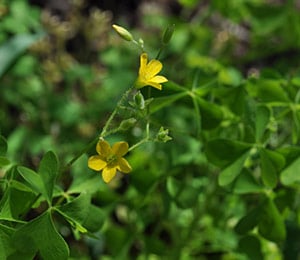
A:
[143,63]
[155,85]
[96,163]
[123,165]
[108,173]
[120,149]
[159,79]
[153,67]
[103,148]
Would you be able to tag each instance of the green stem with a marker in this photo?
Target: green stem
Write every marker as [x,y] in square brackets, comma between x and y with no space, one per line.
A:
[112,115]
[146,139]
[160,51]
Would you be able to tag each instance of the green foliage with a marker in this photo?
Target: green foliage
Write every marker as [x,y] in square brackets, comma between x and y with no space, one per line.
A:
[214,154]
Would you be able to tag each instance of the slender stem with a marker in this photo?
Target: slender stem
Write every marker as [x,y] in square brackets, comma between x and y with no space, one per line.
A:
[112,115]
[160,51]
[146,139]
[104,132]
[198,115]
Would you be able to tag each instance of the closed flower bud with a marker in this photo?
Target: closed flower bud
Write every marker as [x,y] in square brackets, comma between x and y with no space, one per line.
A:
[139,100]
[123,33]
[127,123]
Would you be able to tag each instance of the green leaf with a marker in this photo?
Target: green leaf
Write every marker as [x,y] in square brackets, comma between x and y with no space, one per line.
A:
[267,90]
[251,246]
[229,76]
[91,184]
[248,222]
[15,202]
[76,211]
[296,126]
[33,179]
[95,219]
[6,247]
[233,170]
[3,146]
[245,183]
[48,170]
[271,163]
[160,102]
[211,114]
[173,186]
[40,235]
[271,225]
[223,152]
[261,122]
[291,174]
[187,197]
[4,161]
[14,47]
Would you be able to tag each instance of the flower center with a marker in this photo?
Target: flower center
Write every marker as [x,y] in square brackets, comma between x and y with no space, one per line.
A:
[111,159]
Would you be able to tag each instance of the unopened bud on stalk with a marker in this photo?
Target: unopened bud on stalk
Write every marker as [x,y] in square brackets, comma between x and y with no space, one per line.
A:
[127,123]
[139,100]
[123,33]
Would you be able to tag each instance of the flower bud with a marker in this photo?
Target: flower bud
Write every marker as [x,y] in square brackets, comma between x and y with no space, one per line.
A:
[162,135]
[127,123]
[168,34]
[139,100]
[123,33]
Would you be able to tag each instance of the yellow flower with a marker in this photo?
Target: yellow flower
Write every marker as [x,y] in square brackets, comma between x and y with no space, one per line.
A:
[148,73]
[110,159]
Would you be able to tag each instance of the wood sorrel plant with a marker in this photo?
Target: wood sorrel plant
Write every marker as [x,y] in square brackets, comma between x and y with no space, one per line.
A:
[24,189]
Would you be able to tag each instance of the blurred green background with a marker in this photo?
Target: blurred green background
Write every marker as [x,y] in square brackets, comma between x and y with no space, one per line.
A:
[63,69]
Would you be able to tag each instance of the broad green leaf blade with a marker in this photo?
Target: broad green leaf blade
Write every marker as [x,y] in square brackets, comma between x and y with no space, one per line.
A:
[233,170]
[271,163]
[4,161]
[267,90]
[245,183]
[251,246]
[268,170]
[261,121]
[271,225]
[296,126]
[33,179]
[95,219]
[230,76]
[248,222]
[291,174]
[76,211]
[48,170]
[16,201]
[91,185]
[187,197]
[14,47]
[3,145]
[6,247]
[211,114]
[223,152]
[173,186]
[40,235]
[161,102]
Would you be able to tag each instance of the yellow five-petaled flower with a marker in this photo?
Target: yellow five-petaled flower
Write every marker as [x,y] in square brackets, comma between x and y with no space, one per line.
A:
[110,159]
[148,73]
